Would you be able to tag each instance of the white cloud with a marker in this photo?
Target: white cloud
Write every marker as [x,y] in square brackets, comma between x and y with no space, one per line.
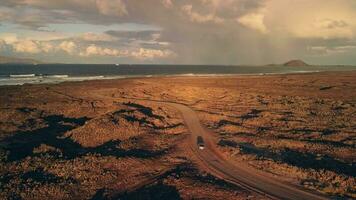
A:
[26,46]
[253,21]
[94,50]
[47,47]
[9,38]
[143,53]
[3,45]
[325,50]
[12,43]
[111,7]
[200,18]
[317,19]
[68,46]
[325,28]
[94,37]
[76,46]
[167,3]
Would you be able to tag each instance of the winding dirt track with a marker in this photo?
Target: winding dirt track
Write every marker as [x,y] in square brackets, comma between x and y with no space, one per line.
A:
[241,175]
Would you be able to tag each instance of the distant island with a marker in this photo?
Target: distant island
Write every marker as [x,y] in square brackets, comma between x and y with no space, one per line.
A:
[292,63]
[296,63]
[14,60]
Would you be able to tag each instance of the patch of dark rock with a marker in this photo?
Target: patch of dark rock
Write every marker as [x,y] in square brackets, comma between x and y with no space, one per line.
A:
[313,113]
[136,119]
[302,160]
[227,143]
[21,144]
[123,111]
[262,101]
[210,179]
[312,182]
[242,134]
[101,194]
[31,179]
[39,176]
[339,108]
[326,132]
[254,113]
[156,189]
[288,113]
[142,121]
[29,123]
[153,192]
[308,160]
[302,130]
[326,88]
[144,110]
[249,148]
[111,149]
[26,110]
[153,189]
[5,179]
[127,115]
[328,142]
[283,119]
[227,122]
[263,129]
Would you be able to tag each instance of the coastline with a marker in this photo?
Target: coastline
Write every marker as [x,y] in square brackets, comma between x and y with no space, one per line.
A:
[20,74]
[33,79]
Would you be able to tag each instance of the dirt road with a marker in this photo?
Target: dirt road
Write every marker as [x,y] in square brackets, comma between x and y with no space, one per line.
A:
[242,174]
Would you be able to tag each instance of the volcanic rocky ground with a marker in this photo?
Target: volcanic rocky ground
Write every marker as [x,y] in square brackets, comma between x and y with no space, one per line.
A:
[101,140]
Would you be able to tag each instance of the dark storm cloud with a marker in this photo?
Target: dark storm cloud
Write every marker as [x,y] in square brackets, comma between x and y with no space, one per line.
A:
[100,12]
[137,35]
[198,31]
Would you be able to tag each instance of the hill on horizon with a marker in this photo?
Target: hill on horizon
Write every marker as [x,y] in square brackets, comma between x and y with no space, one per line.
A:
[296,63]
[14,60]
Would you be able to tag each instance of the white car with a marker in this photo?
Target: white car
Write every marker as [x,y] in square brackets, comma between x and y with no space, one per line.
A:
[200,142]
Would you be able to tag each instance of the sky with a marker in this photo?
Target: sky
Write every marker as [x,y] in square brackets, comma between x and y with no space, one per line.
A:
[223,32]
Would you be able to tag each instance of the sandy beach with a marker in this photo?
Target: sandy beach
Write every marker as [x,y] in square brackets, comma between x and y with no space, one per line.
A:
[113,139]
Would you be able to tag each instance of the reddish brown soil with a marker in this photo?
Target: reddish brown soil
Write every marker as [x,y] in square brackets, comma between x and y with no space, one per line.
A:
[90,140]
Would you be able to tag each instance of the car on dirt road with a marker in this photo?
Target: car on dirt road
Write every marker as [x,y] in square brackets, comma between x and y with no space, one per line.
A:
[200,142]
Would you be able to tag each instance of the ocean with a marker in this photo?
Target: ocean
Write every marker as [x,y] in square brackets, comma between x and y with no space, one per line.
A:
[55,73]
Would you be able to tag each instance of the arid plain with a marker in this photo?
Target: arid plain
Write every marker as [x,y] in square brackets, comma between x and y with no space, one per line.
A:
[107,140]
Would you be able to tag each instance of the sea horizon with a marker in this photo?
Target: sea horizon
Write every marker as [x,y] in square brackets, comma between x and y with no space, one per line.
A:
[19,74]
